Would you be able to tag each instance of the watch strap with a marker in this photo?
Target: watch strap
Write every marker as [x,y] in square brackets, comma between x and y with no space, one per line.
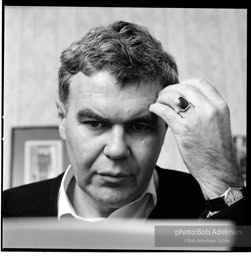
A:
[244,191]
[218,204]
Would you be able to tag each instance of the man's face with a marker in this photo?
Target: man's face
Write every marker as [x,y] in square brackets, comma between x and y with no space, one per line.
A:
[113,141]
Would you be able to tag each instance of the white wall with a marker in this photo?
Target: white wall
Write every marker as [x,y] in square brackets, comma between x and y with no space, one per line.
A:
[207,43]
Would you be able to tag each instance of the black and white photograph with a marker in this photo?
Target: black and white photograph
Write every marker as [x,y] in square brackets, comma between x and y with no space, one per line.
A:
[43,160]
[37,153]
[124,129]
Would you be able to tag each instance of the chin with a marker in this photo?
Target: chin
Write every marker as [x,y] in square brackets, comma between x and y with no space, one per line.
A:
[115,200]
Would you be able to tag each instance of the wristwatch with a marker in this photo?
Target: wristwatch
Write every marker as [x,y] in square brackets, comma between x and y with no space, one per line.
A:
[231,196]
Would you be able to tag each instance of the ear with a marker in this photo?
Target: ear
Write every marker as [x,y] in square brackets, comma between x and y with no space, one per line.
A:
[61,109]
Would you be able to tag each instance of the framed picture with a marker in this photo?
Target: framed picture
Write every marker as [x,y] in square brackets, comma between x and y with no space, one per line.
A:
[38,153]
[42,159]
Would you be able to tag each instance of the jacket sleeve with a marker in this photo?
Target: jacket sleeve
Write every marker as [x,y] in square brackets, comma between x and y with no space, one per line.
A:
[236,213]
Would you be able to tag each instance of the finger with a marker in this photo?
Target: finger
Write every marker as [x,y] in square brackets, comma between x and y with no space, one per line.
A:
[201,86]
[210,93]
[167,114]
[205,87]
[169,98]
[193,95]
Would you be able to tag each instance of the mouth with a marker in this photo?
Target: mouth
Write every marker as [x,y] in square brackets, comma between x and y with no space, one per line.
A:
[114,178]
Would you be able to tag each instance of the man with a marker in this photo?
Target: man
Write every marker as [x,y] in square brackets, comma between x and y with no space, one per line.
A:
[118,94]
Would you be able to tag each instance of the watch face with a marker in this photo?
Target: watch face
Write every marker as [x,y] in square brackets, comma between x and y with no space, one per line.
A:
[233,196]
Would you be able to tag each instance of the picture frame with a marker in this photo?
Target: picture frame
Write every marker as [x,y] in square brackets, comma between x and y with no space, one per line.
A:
[38,153]
[42,159]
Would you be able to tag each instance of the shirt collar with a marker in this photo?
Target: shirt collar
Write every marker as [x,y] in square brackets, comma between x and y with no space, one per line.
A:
[140,207]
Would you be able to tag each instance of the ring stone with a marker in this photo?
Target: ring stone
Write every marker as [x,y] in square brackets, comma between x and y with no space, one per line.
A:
[182,103]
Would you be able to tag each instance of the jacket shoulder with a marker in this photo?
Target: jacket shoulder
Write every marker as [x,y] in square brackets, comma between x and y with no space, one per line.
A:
[35,199]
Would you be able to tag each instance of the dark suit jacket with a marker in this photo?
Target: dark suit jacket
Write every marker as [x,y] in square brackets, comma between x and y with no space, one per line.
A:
[179,197]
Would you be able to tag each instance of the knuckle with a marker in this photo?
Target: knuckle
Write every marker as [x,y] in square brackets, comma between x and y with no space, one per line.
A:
[188,88]
[213,112]
[194,80]
[193,90]
[218,110]
[201,81]
[225,108]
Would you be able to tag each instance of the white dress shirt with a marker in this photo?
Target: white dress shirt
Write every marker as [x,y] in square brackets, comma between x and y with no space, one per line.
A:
[139,208]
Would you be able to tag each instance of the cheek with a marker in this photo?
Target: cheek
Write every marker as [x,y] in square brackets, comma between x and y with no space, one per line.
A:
[146,152]
[82,148]
[82,153]
[150,147]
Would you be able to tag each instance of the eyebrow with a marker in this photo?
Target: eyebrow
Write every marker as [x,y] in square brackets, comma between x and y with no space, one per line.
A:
[149,117]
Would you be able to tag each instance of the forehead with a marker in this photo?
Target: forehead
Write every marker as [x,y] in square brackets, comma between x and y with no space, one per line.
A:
[104,84]
[101,90]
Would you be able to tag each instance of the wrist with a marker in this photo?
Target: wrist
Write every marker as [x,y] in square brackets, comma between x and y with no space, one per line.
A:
[228,198]
[213,189]
[214,183]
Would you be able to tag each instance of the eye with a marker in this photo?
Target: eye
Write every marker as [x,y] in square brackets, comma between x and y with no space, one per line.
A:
[94,124]
[140,127]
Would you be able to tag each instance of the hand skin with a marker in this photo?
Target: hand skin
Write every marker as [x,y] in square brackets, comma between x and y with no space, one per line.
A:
[202,133]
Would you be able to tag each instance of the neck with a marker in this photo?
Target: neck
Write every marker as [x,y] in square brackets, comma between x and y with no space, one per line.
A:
[84,205]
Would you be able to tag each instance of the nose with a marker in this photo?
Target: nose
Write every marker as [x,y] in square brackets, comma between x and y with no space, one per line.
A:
[117,147]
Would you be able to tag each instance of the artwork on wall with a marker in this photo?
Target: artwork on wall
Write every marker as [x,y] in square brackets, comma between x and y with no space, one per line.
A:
[38,153]
[42,159]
